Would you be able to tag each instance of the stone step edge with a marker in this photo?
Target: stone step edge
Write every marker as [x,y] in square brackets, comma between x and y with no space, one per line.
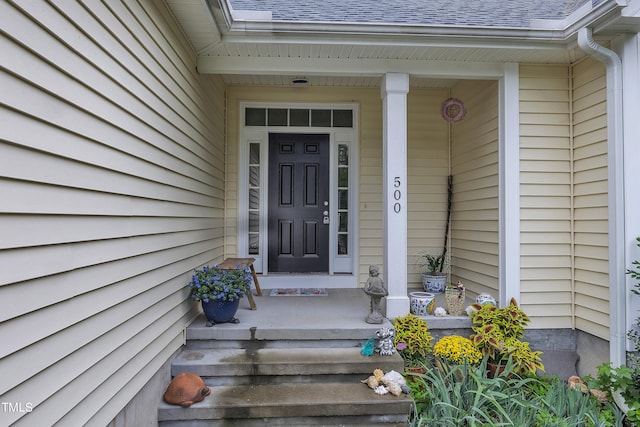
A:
[289,400]
[394,420]
[289,361]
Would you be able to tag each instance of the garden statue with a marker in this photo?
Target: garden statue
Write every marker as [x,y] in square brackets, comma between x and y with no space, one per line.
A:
[374,287]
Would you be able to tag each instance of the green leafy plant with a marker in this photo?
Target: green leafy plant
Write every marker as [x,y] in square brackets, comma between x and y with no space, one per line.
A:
[560,405]
[634,336]
[624,379]
[413,339]
[498,333]
[208,283]
[467,397]
[432,264]
[524,359]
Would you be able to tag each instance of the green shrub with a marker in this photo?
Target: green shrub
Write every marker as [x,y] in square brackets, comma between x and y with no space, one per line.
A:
[467,397]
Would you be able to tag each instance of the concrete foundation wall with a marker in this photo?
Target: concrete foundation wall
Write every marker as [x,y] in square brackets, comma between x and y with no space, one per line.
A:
[593,351]
[142,410]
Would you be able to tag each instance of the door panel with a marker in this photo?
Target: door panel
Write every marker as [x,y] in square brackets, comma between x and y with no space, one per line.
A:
[298,190]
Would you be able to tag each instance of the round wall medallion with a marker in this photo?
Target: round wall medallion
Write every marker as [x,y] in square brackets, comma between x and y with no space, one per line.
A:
[453,110]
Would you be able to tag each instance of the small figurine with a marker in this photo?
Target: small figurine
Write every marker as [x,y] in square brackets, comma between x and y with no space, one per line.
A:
[374,288]
[367,348]
[385,341]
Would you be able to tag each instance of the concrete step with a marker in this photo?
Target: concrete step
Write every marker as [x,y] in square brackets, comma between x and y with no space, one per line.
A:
[290,404]
[285,362]
[350,333]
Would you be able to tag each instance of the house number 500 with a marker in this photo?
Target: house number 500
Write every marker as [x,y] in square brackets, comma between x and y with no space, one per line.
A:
[397,195]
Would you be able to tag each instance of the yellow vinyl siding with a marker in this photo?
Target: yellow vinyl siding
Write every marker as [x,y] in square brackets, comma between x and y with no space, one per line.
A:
[474,166]
[428,168]
[590,198]
[112,181]
[545,195]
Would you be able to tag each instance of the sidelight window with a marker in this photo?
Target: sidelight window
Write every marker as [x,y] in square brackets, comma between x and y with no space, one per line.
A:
[343,199]
[254,199]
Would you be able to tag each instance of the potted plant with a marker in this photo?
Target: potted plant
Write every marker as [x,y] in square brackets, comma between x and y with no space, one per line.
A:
[413,340]
[498,334]
[434,279]
[220,291]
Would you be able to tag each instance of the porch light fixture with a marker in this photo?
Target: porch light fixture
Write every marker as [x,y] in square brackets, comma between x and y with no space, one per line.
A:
[300,82]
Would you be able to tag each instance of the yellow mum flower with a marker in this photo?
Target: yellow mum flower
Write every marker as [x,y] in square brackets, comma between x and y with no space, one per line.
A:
[456,349]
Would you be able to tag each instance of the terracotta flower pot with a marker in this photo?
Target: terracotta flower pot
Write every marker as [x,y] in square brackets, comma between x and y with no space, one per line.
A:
[412,373]
[496,370]
[445,367]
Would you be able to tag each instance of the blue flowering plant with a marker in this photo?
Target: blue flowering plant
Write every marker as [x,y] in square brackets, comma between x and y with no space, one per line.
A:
[210,283]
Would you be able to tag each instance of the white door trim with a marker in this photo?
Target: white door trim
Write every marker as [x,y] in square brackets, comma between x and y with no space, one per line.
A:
[338,264]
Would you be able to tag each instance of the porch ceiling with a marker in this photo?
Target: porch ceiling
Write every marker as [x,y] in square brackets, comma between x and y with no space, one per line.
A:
[249,48]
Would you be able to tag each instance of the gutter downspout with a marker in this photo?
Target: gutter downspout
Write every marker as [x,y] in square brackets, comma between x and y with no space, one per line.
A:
[615,136]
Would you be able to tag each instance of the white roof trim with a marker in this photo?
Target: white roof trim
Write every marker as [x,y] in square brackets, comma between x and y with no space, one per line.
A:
[340,67]
[251,15]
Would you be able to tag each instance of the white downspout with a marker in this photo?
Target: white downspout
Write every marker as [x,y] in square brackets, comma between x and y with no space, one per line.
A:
[615,136]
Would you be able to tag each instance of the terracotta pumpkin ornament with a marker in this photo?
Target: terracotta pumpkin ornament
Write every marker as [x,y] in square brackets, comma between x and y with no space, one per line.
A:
[186,389]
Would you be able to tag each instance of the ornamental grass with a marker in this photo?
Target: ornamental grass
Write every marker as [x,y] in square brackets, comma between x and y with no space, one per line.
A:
[457,350]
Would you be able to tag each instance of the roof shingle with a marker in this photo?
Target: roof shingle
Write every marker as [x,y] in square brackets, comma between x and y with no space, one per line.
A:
[486,13]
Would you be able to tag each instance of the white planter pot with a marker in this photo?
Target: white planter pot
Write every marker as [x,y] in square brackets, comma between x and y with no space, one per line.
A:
[422,303]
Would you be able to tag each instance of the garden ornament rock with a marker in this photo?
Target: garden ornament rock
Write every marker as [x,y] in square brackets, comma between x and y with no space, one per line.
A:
[374,288]
[186,389]
[440,312]
[385,341]
[391,382]
[470,310]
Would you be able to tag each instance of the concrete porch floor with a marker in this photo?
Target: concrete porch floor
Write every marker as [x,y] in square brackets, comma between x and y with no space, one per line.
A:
[339,315]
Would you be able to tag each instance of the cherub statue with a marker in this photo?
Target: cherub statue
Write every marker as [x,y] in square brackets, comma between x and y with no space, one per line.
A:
[374,288]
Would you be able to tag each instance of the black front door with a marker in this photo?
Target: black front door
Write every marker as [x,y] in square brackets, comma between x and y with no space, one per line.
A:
[298,200]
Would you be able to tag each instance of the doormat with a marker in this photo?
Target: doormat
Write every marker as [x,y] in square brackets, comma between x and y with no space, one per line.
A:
[299,292]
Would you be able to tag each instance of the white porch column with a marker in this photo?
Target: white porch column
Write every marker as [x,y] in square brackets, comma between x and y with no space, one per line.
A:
[628,47]
[395,87]
[509,155]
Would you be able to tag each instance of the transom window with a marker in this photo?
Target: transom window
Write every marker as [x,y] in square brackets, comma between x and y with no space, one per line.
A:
[300,117]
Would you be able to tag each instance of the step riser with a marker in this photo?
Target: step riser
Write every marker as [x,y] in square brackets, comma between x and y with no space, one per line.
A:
[340,410]
[282,362]
[292,370]
[374,420]
[292,379]
[223,344]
